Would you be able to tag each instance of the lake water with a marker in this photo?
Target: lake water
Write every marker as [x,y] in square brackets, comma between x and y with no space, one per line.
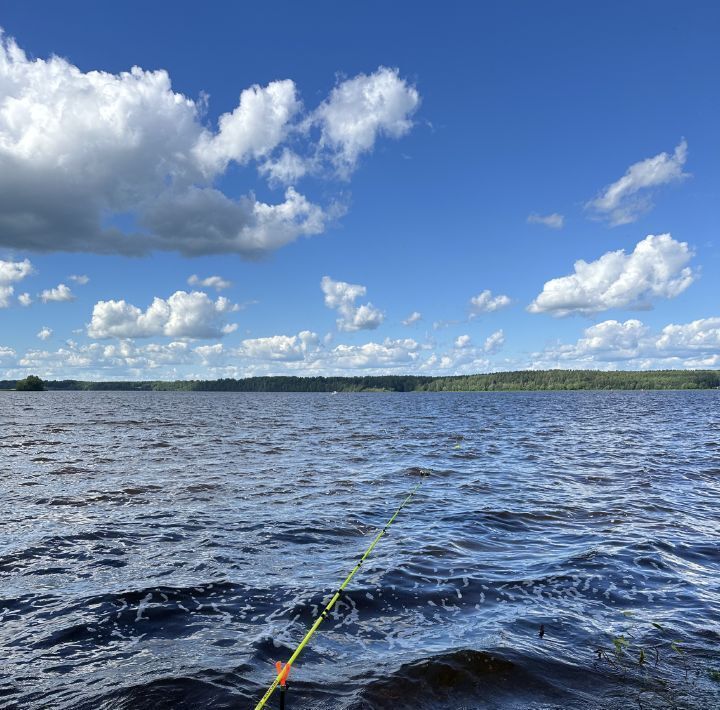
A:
[162,550]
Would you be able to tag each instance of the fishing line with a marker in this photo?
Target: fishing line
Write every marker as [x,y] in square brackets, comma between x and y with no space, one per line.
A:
[283,671]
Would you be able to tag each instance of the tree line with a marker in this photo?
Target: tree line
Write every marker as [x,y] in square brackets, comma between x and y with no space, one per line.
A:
[493,382]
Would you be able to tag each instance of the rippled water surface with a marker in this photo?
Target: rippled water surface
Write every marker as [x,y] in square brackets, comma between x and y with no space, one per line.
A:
[162,550]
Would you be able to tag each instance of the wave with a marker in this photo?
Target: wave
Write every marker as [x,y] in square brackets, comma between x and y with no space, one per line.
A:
[464,678]
[481,679]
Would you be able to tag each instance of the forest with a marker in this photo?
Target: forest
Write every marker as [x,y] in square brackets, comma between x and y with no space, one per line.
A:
[498,381]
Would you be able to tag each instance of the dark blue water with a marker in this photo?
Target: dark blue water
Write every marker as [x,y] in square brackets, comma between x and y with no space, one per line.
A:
[162,550]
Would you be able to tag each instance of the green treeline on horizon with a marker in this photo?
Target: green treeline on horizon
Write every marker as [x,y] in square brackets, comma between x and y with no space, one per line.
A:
[498,381]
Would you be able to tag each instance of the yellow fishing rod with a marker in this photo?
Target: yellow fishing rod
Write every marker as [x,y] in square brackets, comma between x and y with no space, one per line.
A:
[283,671]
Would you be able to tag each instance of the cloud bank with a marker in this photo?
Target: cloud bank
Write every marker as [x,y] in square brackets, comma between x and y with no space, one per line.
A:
[631,344]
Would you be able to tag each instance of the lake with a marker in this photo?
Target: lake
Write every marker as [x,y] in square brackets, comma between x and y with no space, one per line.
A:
[162,550]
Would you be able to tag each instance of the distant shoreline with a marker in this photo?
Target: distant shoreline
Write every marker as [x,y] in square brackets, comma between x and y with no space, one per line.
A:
[519,381]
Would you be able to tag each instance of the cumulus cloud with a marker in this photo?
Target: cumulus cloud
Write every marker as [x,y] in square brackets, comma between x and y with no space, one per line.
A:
[623,201]
[464,357]
[614,344]
[414,317]
[252,130]
[287,168]
[124,359]
[182,315]
[13,271]
[494,342]
[80,279]
[25,299]
[205,221]
[6,293]
[485,302]
[657,268]
[44,333]
[10,273]
[341,296]
[60,293]
[307,353]
[80,152]
[459,360]
[210,354]
[553,221]
[608,345]
[699,336]
[360,109]
[216,282]
[280,347]
[303,353]
[389,353]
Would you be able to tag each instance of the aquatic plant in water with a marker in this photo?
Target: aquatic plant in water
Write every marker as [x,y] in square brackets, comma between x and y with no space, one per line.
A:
[664,667]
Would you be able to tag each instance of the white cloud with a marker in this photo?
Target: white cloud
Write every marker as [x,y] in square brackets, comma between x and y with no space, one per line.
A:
[608,345]
[460,360]
[300,354]
[79,279]
[6,293]
[121,360]
[307,353]
[553,221]
[12,272]
[485,302]
[655,269]
[442,324]
[210,354]
[360,109]
[60,293]
[182,315]
[611,335]
[389,353]
[463,357]
[280,347]
[287,168]
[626,199]
[631,344]
[701,336]
[414,317]
[252,130]
[494,342]
[25,299]
[82,151]
[341,296]
[44,333]
[216,282]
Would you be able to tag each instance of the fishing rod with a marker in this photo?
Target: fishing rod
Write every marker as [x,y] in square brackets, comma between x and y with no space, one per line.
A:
[284,671]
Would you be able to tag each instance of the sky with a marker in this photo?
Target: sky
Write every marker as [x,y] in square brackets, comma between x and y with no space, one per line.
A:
[233,189]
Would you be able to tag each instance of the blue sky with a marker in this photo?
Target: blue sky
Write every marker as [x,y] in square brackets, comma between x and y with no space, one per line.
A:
[339,169]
